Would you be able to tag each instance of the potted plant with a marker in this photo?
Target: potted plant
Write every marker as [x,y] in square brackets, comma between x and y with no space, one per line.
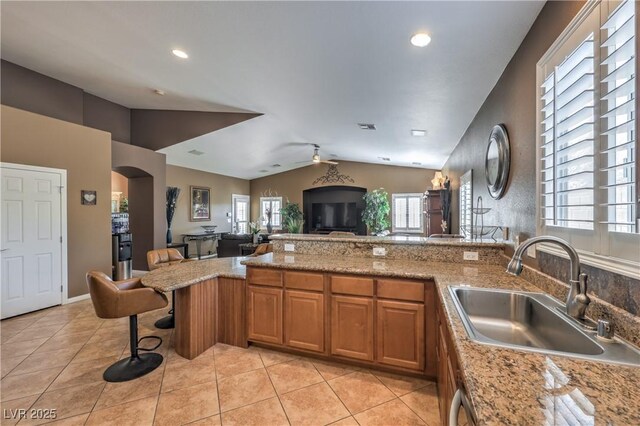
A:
[293,225]
[172,200]
[254,229]
[291,211]
[376,211]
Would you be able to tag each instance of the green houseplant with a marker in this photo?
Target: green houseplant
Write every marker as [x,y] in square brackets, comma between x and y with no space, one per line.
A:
[293,225]
[376,211]
[291,214]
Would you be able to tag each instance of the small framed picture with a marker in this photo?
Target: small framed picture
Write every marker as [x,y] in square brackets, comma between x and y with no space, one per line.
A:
[200,204]
[88,198]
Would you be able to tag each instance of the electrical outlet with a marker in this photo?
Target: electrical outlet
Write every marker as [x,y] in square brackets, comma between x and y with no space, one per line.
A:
[289,259]
[379,251]
[531,252]
[289,247]
[379,266]
[470,255]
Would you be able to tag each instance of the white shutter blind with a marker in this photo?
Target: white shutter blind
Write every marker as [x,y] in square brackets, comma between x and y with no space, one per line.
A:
[400,213]
[465,202]
[567,143]
[618,143]
[407,212]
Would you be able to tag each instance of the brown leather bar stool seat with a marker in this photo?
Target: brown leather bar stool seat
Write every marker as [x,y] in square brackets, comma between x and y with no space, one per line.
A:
[127,298]
[161,258]
[262,249]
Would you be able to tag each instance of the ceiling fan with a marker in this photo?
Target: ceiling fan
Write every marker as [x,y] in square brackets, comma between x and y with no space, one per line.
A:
[316,156]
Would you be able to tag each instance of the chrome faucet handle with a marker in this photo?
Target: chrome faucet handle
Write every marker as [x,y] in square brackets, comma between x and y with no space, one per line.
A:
[582,281]
[605,329]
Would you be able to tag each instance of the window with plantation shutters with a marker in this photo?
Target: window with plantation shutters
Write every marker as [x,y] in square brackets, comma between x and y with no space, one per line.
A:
[273,205]
[466,197]
[406,212]
[586,133]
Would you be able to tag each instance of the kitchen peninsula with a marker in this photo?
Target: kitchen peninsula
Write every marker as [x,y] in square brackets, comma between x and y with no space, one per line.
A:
[331,298]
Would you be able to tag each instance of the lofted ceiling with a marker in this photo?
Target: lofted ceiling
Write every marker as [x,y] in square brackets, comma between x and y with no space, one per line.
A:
[314,69]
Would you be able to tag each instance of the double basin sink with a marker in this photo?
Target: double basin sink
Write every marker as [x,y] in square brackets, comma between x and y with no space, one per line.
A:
[534,322]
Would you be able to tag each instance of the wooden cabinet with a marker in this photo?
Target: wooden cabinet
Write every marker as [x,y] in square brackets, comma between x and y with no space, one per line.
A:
[447,368]
[304,320]
[434,212]
[352,327]
[264,314]
[400,334]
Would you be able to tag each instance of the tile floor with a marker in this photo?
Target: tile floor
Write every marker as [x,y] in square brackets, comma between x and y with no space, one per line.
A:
[54,359]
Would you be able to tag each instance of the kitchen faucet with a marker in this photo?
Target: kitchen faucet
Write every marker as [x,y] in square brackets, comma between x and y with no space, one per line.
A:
[577,299]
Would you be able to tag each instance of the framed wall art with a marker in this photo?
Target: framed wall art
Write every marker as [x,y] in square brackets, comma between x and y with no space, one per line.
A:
[200,204]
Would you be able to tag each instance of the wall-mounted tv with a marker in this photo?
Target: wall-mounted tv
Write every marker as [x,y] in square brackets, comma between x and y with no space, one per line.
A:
[334,215]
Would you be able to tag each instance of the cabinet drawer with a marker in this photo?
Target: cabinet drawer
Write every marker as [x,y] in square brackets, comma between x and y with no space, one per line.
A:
[304,281]
[259,276]
[401,290]
[352,285]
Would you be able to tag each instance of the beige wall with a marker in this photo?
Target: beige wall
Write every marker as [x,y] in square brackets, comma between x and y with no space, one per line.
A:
[222,187]
[85,153]
[370,176]
[119,183]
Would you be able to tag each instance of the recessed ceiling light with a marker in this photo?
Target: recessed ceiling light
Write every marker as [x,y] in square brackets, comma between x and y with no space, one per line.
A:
[158,92]
[276,165]
[417,132]
[196,152]
[416,163]
[263,171]
[420,39]
[367,126]
[385,158]
[180,53]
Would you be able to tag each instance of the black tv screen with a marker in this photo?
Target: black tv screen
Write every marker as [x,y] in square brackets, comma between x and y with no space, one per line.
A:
[334,215]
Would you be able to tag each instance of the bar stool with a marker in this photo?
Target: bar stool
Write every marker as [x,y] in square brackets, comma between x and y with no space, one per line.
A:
[127,298]
[161,258]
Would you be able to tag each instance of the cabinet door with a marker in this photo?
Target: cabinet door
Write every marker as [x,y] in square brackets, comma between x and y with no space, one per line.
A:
[352,327]
[264,314]
[304,320]
[400,328]
[443,378]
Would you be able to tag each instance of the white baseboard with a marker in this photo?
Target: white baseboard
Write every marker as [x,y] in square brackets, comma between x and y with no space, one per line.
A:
[77,299]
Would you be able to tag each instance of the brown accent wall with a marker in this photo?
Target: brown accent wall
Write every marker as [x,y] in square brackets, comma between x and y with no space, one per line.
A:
[222,188]
[85,153]
[371,176]
[146,171]
[512,102]
[108,116]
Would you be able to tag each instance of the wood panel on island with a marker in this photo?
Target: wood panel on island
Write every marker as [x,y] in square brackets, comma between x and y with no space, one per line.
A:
[373,321]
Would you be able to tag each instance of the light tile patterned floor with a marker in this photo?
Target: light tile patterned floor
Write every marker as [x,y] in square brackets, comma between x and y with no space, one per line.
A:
[55,359]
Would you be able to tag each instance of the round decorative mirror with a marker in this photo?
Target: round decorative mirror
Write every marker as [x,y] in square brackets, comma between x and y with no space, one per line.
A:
[497,161]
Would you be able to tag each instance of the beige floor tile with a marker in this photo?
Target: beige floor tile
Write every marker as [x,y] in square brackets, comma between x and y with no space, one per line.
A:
[135,413]
[237,362]
[63,342]
[316,404]
[16,325]
[184,374]
[390,413]
[7,364]
[103,349]
[82,373]
[221,348]
[79,326]
[401,385]
[270,357]
[67,402]
[188,404]
[244,389]
[36,332]
[45,360]
[293,375]
[331,370]
[263,413]
[20,385]
[142,387]
[360,391]
[209,421]
[71,421]
[424,403]
[21,348]
[11,410]
[349,421]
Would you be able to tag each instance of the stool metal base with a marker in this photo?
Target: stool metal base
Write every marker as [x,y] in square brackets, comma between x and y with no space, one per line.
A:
[165,323]
[133,367]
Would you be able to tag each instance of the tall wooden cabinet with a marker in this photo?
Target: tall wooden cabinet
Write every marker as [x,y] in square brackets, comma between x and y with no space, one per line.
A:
[433,212]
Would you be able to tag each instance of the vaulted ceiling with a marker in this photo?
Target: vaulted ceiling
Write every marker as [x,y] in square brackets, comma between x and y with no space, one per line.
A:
[313,69]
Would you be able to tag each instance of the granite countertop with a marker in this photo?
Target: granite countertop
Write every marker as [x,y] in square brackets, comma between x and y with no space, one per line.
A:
[187,273]
[396,239]
[505,386]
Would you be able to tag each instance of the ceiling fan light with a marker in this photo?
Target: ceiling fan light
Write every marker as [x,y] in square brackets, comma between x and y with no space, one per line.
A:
[315,158]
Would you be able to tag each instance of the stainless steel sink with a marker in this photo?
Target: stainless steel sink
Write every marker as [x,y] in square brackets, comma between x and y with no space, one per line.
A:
[531,321]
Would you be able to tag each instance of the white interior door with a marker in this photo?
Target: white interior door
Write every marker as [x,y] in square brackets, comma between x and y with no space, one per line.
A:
[31,240]
[240,214]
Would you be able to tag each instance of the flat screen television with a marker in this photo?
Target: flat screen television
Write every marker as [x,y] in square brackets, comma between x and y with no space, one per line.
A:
[334,215]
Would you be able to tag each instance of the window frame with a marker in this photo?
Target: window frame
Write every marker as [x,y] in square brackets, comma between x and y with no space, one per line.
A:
[609,250]
[234,199]
[407,195]
[263,217]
